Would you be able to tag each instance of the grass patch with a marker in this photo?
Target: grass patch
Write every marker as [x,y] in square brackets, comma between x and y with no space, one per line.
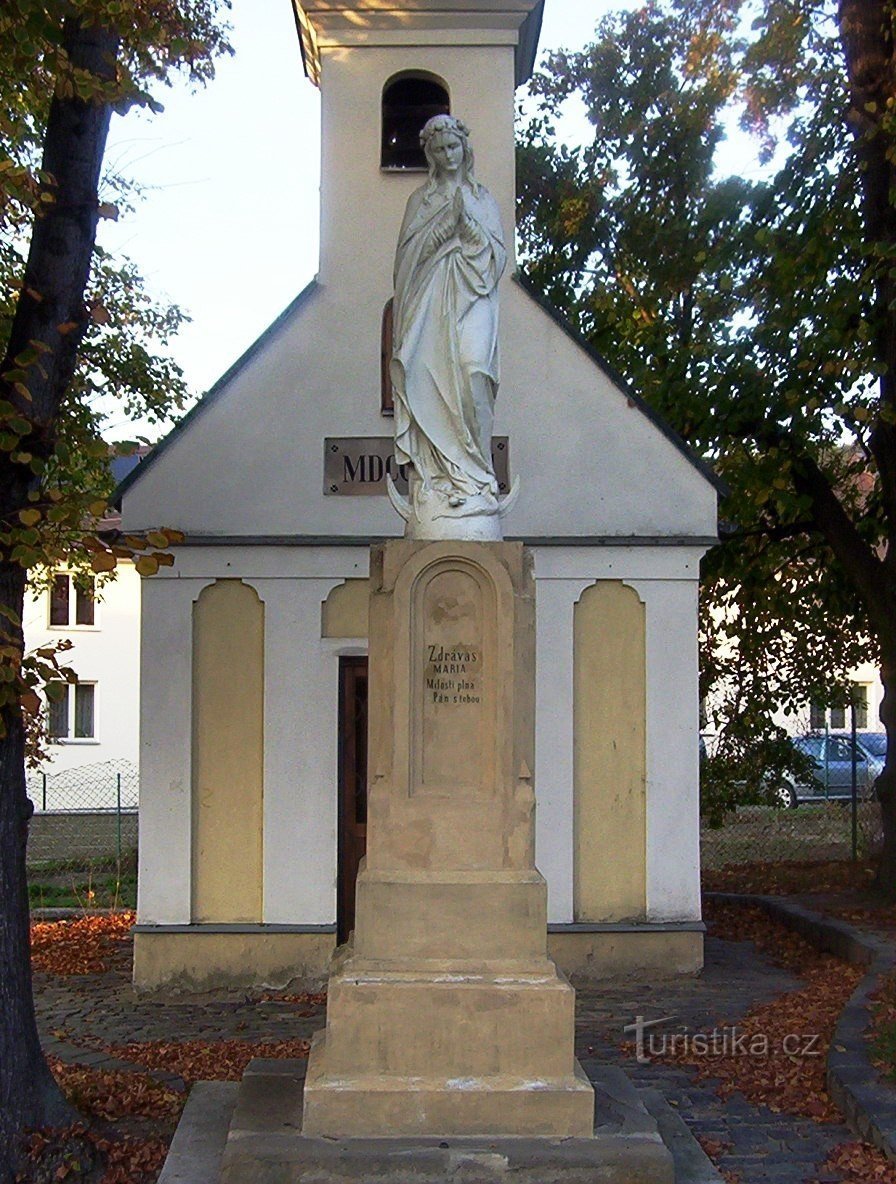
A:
[812,831]
[84,883]
[55,867]
[107,892]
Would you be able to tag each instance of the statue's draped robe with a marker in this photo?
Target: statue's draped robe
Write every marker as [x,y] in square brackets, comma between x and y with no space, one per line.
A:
[445,355]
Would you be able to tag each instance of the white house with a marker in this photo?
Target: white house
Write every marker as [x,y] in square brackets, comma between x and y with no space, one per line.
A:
[253,739]
[95,725]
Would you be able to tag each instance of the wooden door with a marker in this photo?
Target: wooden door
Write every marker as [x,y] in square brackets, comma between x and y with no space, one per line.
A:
[352,786]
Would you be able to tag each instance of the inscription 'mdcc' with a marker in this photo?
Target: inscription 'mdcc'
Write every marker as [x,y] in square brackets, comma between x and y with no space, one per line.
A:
[370,468]
[452,675]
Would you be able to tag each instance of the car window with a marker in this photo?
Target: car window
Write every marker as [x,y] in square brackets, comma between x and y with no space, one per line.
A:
[840,749]
[874,742]
[810,745]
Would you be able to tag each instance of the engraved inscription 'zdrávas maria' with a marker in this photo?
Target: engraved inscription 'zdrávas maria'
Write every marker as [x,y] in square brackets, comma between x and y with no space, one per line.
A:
[452,675]
[454,695]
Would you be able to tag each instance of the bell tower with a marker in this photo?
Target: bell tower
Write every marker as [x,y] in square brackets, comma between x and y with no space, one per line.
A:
[383,68]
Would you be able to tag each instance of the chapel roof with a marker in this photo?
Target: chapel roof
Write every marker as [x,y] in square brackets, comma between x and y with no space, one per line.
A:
[306,10]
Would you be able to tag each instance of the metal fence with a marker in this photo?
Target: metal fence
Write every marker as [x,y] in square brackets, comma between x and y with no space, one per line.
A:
[89,812]
[108,785]
[811,831]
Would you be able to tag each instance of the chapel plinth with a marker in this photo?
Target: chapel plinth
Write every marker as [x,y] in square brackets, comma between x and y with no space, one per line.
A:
[445,1015]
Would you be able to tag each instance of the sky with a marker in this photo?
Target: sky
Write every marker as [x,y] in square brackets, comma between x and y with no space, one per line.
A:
[228,224]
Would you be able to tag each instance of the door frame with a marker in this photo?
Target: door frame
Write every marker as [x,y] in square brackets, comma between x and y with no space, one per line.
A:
[351,834]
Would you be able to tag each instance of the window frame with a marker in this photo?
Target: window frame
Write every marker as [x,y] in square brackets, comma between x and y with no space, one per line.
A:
[862,703]
[74,600]
[387,400]
[71,714]
[839,719]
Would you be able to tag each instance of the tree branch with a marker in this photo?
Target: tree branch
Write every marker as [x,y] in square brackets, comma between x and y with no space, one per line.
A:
[858,559]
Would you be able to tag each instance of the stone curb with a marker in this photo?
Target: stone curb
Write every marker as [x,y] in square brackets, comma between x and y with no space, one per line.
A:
[73,1054]
[868,1104]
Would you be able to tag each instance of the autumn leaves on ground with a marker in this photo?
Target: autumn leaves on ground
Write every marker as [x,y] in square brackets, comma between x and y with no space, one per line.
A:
[129,1114]
[129,1117]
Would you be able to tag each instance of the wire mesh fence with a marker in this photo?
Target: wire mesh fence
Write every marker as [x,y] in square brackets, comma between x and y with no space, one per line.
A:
[819,808]
[108,785]
[86,819]
[822,830]
[85,813]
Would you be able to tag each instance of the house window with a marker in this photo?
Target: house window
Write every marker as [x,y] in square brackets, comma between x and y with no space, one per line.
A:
[860,699]
[409,100]
[838,717]
[71,715]
[71,603]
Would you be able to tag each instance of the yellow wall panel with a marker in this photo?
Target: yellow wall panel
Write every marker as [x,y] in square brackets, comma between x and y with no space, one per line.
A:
[228,754]
[610,754]
[345,611]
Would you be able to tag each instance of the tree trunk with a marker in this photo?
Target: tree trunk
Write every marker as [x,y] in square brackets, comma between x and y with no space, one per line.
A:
[29,1096]
[886,782]
[868,47]
[50,311]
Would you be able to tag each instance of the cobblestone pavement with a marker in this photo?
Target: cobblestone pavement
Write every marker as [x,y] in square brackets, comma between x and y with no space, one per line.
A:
[79,1017]
[766,1148]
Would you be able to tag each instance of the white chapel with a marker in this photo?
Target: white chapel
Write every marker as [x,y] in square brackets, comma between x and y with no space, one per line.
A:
[253,745]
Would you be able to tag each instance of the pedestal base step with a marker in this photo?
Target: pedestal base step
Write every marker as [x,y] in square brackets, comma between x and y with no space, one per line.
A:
[384,1024]
[366,1106]
[265,1145]
[263,1142]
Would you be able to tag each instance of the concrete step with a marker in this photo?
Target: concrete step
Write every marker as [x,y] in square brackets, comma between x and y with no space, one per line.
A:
[201,1136]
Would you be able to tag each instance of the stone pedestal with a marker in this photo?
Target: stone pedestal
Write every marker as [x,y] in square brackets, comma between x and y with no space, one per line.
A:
[445,1015]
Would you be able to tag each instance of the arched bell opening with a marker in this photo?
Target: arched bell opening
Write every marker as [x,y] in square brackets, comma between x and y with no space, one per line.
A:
[409,100]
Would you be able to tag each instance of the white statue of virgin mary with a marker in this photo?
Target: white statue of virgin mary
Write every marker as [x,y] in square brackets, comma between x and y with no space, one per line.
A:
[445,354]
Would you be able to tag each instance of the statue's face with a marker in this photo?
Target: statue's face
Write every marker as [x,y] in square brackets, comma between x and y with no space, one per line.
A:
[447,152]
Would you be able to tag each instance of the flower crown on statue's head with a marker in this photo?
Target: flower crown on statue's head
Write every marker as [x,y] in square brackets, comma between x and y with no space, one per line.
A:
[443,123]
[447,125]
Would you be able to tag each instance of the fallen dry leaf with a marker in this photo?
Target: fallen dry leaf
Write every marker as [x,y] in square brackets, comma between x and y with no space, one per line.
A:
[116,1093]
[82,946]
[207,1060]
[714,1148]
[132,1161]
[790,877]
[860,1163]
[77,1153]
[776,1055]
[308,999]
